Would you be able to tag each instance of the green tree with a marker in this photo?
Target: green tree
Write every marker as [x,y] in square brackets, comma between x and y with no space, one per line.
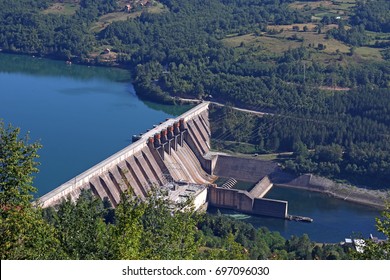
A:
[377,250]
[81,228]
[301,247]
[169,229]
[154,228]
[128,230]
[24,233]
[332,153]
[17,163]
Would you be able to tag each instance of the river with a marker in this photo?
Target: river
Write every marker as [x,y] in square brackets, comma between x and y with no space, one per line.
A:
[333,219]
[82,115]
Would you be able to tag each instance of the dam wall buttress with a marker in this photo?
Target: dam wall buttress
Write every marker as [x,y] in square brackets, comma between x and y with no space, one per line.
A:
[172,150]
[176,152]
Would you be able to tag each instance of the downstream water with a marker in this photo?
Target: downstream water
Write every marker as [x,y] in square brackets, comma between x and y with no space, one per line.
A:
[80,114]
[83,114]
[334,219]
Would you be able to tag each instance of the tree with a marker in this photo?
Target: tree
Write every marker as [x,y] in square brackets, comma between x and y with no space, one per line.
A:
[169,229]
[17,164]
[81,228]
[377,250]
[24,234]
[301,247]
[128,230]
[332,153]
[154,228]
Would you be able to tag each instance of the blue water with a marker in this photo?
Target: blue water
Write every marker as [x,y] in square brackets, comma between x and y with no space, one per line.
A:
[79,114]
[333,219]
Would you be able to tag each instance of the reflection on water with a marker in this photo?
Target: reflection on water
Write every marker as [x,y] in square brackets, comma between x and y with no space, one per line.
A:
[42,67]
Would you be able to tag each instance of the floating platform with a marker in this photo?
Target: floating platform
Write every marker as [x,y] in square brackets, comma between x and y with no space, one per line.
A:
[299,218]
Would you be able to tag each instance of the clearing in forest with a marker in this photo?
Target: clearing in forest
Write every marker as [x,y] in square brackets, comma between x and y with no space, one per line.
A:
[66,8]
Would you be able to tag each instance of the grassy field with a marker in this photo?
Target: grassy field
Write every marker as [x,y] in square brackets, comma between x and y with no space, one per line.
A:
[324,5]
[318,9]
[285,40]
[280,38]
[369,53]
[109,18]
[67,8]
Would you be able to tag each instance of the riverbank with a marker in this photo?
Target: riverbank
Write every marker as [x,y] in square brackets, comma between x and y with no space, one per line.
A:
[373,198]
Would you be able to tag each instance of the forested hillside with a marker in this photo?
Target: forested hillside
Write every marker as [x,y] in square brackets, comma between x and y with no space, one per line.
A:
[321,66]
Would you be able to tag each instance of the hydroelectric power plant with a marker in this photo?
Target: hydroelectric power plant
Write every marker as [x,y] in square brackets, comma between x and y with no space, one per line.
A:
[176,155]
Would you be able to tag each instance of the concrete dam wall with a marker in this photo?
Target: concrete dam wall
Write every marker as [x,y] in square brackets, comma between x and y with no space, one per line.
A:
[172,151]
[172,154]
[245,169]
[245,202]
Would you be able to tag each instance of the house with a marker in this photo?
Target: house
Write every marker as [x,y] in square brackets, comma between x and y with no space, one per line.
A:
[128,8]
[144,2]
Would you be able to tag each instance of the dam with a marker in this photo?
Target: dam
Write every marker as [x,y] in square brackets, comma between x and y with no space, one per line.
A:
[175,155]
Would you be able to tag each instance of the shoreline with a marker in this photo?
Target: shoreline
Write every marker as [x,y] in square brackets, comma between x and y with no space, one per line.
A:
[373,198]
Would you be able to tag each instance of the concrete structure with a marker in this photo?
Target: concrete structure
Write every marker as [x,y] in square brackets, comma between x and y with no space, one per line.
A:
[175,155]
[180,193]
[249,202]
[172,151]
[262,187]
[245,169]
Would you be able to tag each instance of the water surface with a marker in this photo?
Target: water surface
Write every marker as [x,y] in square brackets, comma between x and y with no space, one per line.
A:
[80,114]
[334,219]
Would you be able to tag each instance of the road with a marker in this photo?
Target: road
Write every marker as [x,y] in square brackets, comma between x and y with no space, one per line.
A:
[258,113]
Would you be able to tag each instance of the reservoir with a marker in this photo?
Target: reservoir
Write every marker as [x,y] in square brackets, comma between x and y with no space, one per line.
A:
[82,115]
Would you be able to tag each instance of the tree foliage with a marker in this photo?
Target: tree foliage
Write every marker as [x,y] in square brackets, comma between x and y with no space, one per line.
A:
[17,164]
[373,14]
[374,249]
[24,234]
[81,228]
